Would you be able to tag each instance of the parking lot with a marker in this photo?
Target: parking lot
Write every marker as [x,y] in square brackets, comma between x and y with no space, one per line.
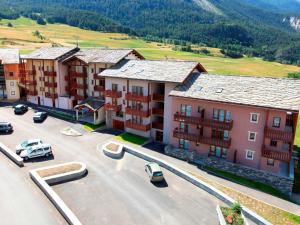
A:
[113,192]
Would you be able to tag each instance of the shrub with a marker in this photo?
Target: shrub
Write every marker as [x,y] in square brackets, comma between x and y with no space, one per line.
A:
[9,24]
[237,208]
[294,75]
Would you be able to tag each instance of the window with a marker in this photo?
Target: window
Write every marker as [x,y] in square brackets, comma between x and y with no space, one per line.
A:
[11,74]
[212,150]
[186,110]
[251,136]
[92,82]
[254,117]
[249,154]
[124,88]
[221,115]
[270,162]
[92,70]
[216,114]
[276,122]
[99,70]
[218,152]
[273,143]
[184,144]
[114,87]
[136,90]
[11,83]
[226,135]
[13,93]
[183,127]
[228,116]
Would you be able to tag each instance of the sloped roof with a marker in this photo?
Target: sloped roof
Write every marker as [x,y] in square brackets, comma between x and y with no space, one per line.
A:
[9,56]
[95,55]
[275,93]
[50,53]
[164,71]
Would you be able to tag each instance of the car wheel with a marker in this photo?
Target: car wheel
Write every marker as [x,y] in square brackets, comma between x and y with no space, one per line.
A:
[26,158]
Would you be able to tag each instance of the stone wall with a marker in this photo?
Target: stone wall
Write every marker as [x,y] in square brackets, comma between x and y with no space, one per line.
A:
[283,184]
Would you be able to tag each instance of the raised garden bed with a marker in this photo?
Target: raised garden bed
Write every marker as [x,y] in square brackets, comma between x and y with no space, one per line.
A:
[231,216]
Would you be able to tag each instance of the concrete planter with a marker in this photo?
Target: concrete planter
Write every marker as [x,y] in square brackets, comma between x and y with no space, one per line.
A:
[117,153]
[222,220]
[44,184]
[11,155]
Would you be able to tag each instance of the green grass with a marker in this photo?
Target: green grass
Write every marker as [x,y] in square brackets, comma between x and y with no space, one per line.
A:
[248,183]
[297,138]
[131,138]
[20,36]
[237,219]
[293,217]
[92,127]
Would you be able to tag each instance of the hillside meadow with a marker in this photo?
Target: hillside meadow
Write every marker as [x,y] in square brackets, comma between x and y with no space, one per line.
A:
[21,36]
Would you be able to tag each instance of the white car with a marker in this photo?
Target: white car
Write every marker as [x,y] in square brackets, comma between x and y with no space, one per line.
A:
[27,144]
[41,150]
[154,172]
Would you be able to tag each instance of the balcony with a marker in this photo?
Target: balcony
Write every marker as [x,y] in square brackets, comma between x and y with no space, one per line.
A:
[51,84]
[158,125]
[112,94]
[75,85]
[31,82]
[79,97]
[32,93]
[137,112]
[111,107]
[136,126]
[158,111]
[99,88]
[158,97]
[96,76]
[277,155]
[76,74]
[279,134]
[51,95]
[203,122]
[201,139]
[140,98]
[31,72]
[49,74]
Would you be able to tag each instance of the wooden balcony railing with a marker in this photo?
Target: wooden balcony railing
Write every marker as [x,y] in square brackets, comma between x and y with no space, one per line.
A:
[31,82]
[51,95]
[137,112]
[201,139]
[77,74]
[277,155]
[112,94]
[140,98]
[75,85]
[111,107]
[203,122]
[32,93]
[79,97]
[51,84]
[158,125]
[279,134]
[136,126]
[99,88]
[158,111]
[49,74]
[158,97]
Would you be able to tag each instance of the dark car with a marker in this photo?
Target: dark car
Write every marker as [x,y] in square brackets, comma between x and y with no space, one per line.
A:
[6,127]
[20,109]
[39,116]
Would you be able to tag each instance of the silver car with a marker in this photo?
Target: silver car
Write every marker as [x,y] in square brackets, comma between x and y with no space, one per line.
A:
[27,144]
[154,172]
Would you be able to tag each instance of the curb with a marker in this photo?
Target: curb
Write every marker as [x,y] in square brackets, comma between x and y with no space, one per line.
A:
[11,155]
[115,155]
[44,185]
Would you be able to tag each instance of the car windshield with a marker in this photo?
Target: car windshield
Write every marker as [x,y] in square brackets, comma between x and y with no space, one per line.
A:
[157,174]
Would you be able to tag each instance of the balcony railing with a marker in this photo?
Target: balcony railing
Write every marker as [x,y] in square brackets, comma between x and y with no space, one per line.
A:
[51,84]
[111,107]
[158,111]
[51,95]
[99,88]
[112,94]
[49,74]
[77,74]
[140,98]
[31,82]
[32,93]
[277,155]
[79,97]
[158,125]
[201,139]
[136,126]
[75,85]
[204,122]
[158,97]
[137,112]
[278,134]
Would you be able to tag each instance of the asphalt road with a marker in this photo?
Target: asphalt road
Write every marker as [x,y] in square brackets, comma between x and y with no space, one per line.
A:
[114,192]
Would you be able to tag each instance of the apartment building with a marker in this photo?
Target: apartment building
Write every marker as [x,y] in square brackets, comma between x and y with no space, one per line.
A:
[137,95]
[246,120]
[44,76]
[9,74]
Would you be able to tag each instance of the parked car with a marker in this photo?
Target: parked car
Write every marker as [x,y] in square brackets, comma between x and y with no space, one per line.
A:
[20,109]
[154,172]
[6,127]
[27,144]
[41,150]
[39,116]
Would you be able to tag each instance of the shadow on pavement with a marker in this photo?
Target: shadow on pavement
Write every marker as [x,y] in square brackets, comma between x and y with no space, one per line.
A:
[109,131]
[155,146]
[162,184]
[39,159]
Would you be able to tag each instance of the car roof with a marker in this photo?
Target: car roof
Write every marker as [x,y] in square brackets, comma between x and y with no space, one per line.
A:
[4,123]
[33,140]
[19,105]
[39,146]
[154,167]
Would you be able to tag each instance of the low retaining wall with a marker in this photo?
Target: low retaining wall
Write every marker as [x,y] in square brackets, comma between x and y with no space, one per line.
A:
[199,183]
[12,155]
[113,154]
[222,220]
[44,182]
[283,184]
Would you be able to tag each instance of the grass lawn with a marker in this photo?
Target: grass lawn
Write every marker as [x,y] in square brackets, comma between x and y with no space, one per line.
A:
[20,36]
[248,183]
[131,138]
[92,127]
